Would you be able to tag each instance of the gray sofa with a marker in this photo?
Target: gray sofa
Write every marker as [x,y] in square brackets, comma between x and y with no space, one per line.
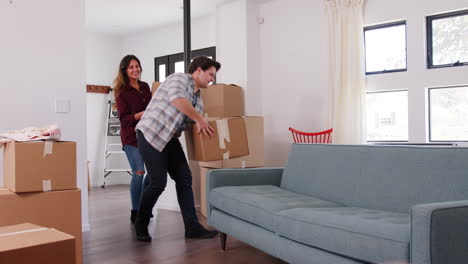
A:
[349,204]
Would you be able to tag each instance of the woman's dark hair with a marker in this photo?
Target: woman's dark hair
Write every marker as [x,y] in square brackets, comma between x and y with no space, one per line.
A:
[121,80]
[204,63]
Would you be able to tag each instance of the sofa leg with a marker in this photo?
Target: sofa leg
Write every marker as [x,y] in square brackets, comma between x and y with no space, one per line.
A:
[222,238]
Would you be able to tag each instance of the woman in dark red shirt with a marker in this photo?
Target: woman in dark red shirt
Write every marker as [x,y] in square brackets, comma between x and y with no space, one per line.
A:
[132,96]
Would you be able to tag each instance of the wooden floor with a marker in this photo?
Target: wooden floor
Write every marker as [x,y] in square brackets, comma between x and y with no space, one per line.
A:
[112,239]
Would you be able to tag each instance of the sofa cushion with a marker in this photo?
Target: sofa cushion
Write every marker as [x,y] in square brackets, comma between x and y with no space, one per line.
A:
[258,204]
[368,235]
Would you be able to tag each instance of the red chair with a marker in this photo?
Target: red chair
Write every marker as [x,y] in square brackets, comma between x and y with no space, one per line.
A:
[318,137]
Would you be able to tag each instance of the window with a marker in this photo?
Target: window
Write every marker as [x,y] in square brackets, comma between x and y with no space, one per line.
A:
[385,47]
[448,113]
[162,72]
[166,65]
[447,39]
[387,116]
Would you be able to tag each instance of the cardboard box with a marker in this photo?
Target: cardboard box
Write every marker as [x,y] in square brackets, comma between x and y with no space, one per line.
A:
[256,157]
[154,87]
[230,140]
[28,243]
[39,166]
[203,207]
[222,100]
[60,210]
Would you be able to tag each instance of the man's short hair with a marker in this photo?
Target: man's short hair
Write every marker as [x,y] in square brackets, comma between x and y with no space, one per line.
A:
[204,63]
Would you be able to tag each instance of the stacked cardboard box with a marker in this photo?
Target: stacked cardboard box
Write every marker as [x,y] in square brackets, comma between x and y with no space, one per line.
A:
[41,188]
[154,87]
[28,243]
[238,141]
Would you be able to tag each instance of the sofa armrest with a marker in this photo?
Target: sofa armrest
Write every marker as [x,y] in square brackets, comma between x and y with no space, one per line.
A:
[439,233]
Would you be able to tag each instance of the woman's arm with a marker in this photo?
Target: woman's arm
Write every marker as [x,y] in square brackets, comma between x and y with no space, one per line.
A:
[127,118]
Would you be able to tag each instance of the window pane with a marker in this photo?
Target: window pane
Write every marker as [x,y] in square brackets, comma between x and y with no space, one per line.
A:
[386,48]
[180,66]
[448,114]
[162,72]
[450,40]
[387,116]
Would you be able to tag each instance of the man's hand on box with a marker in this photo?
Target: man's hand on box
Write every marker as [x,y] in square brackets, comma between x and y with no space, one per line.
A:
[204,127]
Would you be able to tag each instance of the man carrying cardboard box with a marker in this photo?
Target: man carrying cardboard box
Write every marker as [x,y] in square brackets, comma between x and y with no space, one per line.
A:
[176,103]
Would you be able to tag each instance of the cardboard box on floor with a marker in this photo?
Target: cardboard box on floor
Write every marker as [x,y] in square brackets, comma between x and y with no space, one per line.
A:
[39,166]
[256,158]
[28,243]
[230,140]
[154,87]
[223,100]
[59,209]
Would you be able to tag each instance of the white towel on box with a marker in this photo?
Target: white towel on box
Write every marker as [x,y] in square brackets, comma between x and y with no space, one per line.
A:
[31,134]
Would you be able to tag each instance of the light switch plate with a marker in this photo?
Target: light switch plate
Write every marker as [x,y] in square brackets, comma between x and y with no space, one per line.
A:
[62,105]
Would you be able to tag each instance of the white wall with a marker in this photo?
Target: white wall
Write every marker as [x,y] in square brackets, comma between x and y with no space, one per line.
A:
[42,51]
[417,78]
[231,48]
[253,105]
[102,62]
[293,67]
[238,50]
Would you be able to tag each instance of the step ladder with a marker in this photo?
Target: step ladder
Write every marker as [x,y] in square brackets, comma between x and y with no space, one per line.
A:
[112,130]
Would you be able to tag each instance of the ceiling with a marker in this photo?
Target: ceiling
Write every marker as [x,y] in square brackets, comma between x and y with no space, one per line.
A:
[125,16]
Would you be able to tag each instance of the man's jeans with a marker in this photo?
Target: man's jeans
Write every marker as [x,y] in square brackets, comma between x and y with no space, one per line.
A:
[171,160]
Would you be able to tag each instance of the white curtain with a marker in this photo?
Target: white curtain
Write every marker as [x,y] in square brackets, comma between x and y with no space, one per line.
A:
[346,71]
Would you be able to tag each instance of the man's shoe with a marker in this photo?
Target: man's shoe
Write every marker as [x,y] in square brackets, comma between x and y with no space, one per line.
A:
[133,215]
[201,233]
[141,230]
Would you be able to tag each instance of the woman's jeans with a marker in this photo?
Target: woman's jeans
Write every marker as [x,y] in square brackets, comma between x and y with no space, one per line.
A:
[171,160]
[137,184]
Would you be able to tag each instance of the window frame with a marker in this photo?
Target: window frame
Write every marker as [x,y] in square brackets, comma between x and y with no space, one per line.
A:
[386,25]
[388,141]
[170,60]
[429,46]
[429,112]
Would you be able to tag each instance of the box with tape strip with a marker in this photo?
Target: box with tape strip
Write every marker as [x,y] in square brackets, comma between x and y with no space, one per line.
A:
[60,210]
[256,157]
[28,243]
[230,140]
[39,166]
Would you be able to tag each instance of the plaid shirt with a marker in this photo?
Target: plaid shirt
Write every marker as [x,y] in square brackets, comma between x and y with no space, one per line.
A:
[162,121]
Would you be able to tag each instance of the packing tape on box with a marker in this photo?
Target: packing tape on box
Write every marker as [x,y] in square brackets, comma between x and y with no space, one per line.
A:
[48,144]
[46,185]
[223,134]
[243,164]
[24,231]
